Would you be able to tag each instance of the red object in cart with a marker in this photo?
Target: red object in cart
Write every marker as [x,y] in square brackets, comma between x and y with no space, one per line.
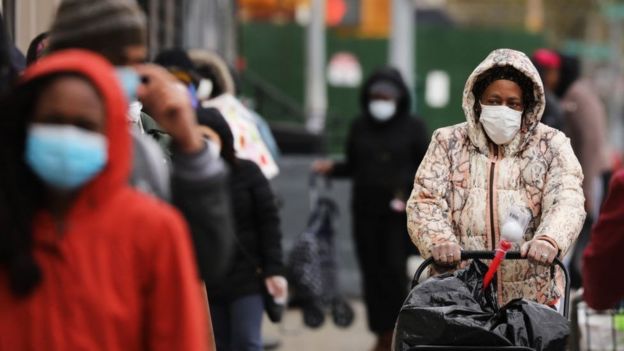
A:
[503,247]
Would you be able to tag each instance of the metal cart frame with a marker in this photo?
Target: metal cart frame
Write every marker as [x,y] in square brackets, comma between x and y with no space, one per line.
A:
[575,329]
[488,255]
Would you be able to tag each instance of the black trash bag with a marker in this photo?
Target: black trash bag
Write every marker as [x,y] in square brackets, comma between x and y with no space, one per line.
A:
[527,323]
[453,310]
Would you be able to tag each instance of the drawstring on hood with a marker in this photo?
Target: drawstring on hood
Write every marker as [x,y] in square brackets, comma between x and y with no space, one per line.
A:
[520,62]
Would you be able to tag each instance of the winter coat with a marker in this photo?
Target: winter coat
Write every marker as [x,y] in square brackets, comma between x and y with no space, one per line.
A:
[121,274]
[382,157]
[603,256]
[258,235]
[464,189]
[586,125]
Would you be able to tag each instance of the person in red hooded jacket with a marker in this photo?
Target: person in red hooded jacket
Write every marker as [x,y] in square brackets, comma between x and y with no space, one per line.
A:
[603,255]
[86,262]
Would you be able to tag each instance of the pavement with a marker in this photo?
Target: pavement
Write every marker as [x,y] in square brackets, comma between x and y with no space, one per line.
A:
[294,336]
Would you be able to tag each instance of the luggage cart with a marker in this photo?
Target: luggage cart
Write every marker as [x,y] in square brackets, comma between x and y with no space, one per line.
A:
[488,255]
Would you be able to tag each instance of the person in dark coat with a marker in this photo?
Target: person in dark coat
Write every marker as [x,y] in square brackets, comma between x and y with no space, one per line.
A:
[384,149]
[236,301]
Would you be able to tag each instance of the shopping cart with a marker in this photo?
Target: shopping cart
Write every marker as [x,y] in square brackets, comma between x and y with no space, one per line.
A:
[488,255]
[594,330]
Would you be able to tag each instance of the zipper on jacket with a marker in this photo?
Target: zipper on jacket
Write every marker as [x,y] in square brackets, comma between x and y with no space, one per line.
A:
[492,231]
[496,156]
[491,192]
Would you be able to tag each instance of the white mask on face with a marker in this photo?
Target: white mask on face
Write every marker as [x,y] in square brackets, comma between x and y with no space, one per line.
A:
[382,110]
[500,122]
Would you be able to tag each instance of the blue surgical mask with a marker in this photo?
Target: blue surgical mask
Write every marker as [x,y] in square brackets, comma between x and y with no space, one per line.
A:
[129,80]
[65,157]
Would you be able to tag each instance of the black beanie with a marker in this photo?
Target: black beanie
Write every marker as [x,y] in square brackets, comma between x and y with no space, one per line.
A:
[177,58]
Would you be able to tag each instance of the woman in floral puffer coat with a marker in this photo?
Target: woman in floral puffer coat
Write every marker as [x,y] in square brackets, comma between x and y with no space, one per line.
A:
[502,157]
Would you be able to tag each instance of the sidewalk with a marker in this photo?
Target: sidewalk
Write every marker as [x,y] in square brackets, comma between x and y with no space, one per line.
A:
[294,336]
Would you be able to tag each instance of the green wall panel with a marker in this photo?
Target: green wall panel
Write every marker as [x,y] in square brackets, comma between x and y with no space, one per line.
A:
[276,53]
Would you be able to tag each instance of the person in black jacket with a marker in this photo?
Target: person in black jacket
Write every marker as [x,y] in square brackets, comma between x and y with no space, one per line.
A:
[384,149]
[235,301]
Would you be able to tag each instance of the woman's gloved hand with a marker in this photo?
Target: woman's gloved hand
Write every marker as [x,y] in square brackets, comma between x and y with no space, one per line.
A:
[446,254]
[539,251]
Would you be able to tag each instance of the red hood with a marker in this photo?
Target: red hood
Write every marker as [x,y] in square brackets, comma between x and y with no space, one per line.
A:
[102,76]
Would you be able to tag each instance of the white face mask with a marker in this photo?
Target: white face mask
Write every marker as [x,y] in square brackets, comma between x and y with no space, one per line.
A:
[382,110]
[500,122]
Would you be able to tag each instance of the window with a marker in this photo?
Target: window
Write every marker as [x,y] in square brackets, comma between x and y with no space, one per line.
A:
[437,89]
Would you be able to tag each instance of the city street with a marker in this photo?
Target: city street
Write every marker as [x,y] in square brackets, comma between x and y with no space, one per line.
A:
[294,336]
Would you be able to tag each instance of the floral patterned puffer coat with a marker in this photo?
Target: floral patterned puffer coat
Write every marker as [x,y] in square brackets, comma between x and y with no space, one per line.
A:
[465,187]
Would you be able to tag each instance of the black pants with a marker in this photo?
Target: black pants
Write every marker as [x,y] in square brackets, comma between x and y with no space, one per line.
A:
[381,250]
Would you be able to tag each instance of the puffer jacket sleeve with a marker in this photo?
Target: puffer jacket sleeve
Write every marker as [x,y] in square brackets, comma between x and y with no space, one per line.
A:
[428,211]
[563,211]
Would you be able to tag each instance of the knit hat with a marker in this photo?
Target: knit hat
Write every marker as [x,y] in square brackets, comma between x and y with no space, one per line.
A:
[103,26]
[547,58]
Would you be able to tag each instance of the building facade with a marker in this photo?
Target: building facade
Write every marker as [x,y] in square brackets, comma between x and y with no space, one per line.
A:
[208,24]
